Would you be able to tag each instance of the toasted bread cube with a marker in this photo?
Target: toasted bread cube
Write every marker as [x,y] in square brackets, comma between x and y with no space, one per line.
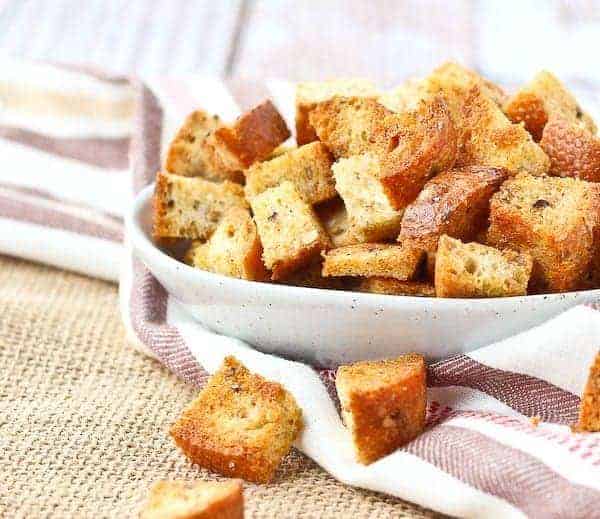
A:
[395,287]
[415,146]
[233,250]
[240,425]
[371,216]
[334,217]
[252,138]
[309,94]
[192,207]
[490,139]
[195,500]
[555,220]
[589,412]
[187,154]
[475,270]
[307,167]
[289,229]
[456,203]
[383,404]
[346,125]
[542,98]
[374,259]
[573,150]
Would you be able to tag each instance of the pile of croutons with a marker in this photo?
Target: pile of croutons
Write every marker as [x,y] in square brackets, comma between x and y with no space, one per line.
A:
[444,186]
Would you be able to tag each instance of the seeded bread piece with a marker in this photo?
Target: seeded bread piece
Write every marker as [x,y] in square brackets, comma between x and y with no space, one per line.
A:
[252,138]
[374,259]
[383,404]
[195,500]
[413,147]
[589,412]
[371,216]
[346,125]
[234,249]
[309,94]
[542,98]
[307,167]
[555,220]
[289,230]
[192,207]
[456,203]
[395,287]
[490,139]
[475,270]
[240,425]
[573,150]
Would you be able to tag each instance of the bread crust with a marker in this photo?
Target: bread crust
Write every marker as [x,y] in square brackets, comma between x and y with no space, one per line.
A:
[396,287]
[589,411]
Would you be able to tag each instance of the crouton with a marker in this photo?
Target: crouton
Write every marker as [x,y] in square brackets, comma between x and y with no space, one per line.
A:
[542,98]
[373,259]
[395,287]
[309,94]
[573,150]
[475,270]
[456,203]
[589,412]
[252,138]
[187,155]
[346,125]
[191,207]
[555,220]
[371,216]
[307,167]
[490,139]
[336,222]
[415,146]
[234,249]
[240,425]
[289,229]
[195,500]
[383,404]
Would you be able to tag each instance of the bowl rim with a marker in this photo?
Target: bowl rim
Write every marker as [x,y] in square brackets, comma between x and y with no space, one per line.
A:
[143,246]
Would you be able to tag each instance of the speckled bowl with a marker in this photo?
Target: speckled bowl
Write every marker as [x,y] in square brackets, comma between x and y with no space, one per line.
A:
[328,327]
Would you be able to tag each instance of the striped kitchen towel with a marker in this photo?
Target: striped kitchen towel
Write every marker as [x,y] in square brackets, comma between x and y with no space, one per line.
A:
[77,145]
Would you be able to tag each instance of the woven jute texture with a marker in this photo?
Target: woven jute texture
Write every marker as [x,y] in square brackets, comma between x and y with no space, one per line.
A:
[84,418]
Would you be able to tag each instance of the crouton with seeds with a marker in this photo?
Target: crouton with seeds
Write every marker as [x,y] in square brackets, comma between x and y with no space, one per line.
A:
[289,230]
[307,167]
[396,287]
[192,207]
[475,270]
[240,425]
[383,404]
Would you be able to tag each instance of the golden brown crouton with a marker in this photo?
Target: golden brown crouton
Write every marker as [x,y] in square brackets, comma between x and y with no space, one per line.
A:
[555,220]
[371,216]
[373,259]
[233,250]
[346,125]
[589,413]
[192,207]
[289,229]
[187,154]
[415,146]
[475,270]
[252,138]
[544,97]
[490,139]
[383,404]
[195,500]
[456,203]
[395,287]
[240,425]
[573,150]
[309,94]
[307,167]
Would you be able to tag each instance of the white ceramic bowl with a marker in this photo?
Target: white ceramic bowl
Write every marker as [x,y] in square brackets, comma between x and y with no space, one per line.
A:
[329,327]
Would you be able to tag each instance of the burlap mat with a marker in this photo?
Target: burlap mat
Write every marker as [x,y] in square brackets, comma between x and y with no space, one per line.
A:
[84,418]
